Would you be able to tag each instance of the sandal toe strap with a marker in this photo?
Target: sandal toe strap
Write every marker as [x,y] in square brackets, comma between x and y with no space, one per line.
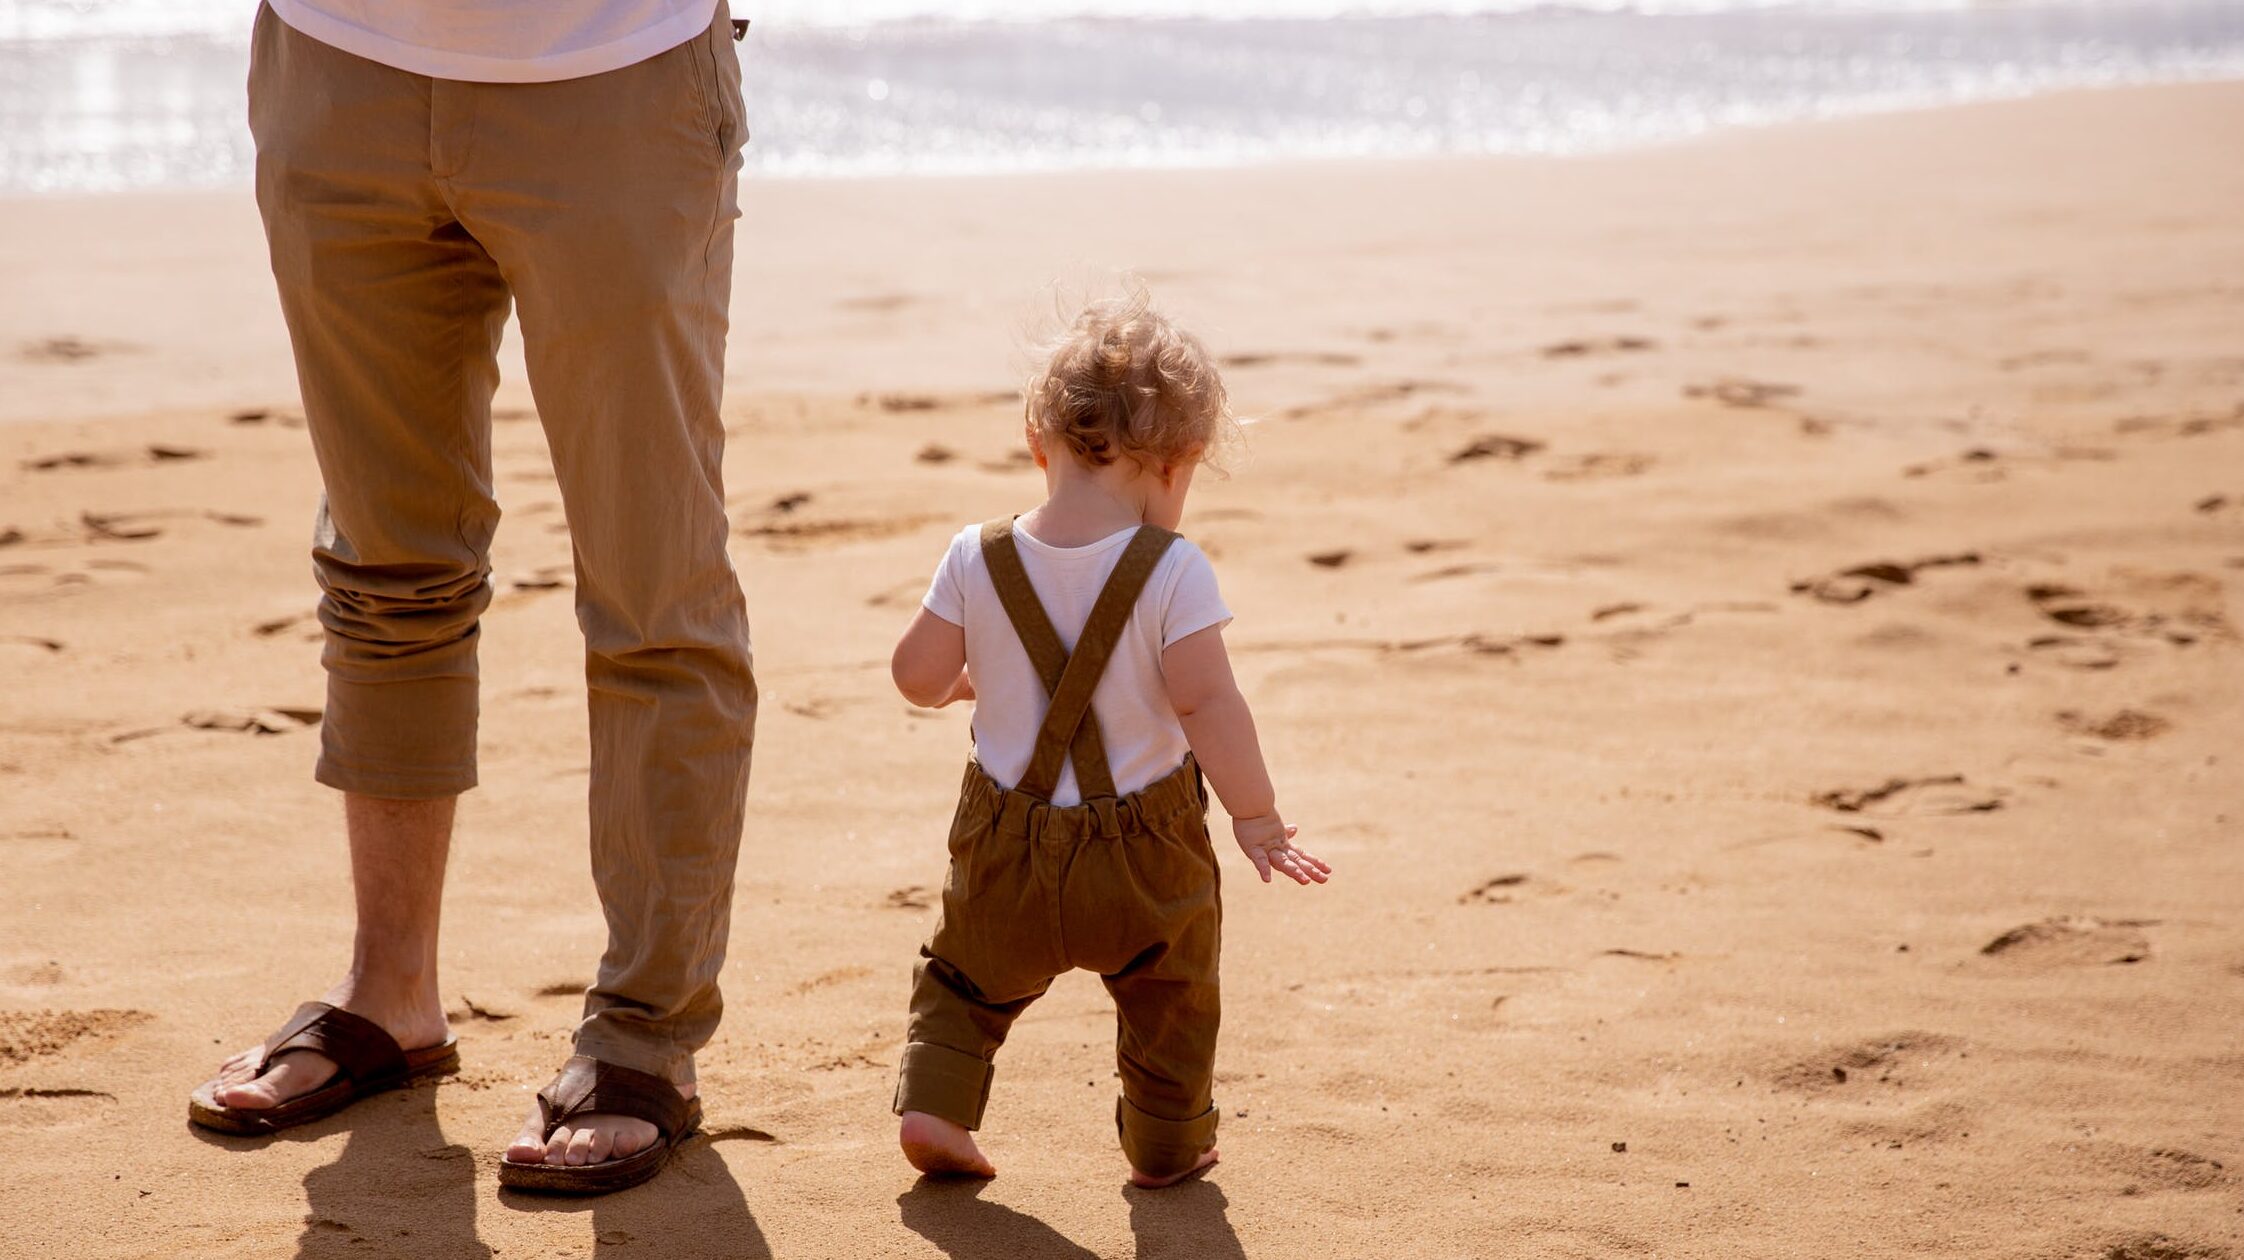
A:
[360,1048]
[587,1085]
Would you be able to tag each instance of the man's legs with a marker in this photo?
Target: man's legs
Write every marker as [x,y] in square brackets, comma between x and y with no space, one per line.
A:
[608,203]
[395,315]
[398,850]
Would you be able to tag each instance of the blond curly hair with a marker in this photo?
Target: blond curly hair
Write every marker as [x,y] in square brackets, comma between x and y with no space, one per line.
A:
[1123,380]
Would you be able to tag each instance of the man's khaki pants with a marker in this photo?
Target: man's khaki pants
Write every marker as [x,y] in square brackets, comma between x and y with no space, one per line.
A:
[403,214]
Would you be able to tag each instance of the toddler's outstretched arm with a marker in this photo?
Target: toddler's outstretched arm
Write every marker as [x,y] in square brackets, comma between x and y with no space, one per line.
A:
[930,663]
[1220,727]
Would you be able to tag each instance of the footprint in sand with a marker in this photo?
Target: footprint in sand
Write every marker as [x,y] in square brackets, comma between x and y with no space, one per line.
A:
[2125,724]
[2167,1167]
[305,623]
[2147,1245]
[69,348]
[1449,571]
[1936,795]
[1477,644]
[531,583]
[2073,942]
[2195,424]
[816,708]
[31,645]
[272,721]
[910,897]
[1859,582]
[1273,358]
[1499,446]
[2160,610]
[938,402]
[1600,465]
[1895,1060]
[804,535]
[1330,559]
[154,453]
[27,1036]
[264,415]
[60,1108]
[1739,391]
[1368,397]
[485,1010]
[1584,347]
[1501,890]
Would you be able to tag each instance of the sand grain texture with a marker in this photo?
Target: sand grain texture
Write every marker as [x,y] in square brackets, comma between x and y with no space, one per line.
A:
[1725,867]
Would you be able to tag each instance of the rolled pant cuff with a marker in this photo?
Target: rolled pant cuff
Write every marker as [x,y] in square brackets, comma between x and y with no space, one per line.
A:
[396,785]
[945,1083]
[659,1058]
[1162,1148]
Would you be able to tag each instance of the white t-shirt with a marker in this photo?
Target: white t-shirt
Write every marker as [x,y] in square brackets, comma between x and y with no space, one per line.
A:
[1143,739]
[500,41]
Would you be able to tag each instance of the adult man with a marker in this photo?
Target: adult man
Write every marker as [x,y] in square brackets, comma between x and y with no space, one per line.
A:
[420,164]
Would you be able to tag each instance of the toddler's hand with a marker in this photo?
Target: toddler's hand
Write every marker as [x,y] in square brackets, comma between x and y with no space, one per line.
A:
[1268,843]
[963,689]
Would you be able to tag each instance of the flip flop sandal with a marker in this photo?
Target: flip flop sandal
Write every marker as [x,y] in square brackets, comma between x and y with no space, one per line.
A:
[367,1062]
[587,1085]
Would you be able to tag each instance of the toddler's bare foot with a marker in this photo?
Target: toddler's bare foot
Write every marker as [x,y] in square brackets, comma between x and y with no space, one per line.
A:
[1144,1182]
[939,1148]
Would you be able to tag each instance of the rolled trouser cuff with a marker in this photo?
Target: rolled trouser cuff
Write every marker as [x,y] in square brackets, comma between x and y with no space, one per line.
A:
[395,785]
[1162,1148]
[945,1083]
[411,739]
[602,1040]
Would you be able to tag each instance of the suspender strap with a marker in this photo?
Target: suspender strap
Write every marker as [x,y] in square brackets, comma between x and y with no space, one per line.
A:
[1071,700]
[1045,651]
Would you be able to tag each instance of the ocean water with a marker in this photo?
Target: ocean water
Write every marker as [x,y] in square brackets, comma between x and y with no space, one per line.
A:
[117,94]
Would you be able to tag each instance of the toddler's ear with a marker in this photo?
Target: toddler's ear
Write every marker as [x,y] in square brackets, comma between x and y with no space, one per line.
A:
[1035,444]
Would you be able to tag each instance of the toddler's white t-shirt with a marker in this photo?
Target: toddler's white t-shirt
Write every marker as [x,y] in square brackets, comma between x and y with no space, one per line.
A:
[1144,742]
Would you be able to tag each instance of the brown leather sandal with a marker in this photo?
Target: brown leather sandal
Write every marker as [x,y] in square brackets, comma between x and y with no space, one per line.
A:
[587,1085]
[367,1059]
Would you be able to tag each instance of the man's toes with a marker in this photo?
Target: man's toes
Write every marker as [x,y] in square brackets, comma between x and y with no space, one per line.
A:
[245,1095]
[557,1146]
[289,1077]
[580,1148]
[602,1148]
[528,1146]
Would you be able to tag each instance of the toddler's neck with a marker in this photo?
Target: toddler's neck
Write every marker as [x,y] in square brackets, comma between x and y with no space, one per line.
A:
[1083,506]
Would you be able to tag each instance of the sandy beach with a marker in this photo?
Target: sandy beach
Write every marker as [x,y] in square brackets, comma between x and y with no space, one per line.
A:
[1754,623]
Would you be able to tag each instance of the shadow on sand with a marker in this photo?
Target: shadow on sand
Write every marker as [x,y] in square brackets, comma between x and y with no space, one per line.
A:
[949,1212]
[398,1188]
[1185,1220]
[1182,1221]
[694,1209]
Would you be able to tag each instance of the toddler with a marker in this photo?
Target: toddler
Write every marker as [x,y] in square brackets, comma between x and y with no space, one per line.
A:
[1090,638]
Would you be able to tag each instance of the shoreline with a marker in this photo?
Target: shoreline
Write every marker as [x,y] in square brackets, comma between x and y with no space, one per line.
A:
[1713,134]
[168,297]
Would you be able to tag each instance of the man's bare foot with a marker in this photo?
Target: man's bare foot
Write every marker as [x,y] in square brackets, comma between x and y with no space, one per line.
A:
[415,1020]
[593,1138]
[1145,1182]
[939,1148]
